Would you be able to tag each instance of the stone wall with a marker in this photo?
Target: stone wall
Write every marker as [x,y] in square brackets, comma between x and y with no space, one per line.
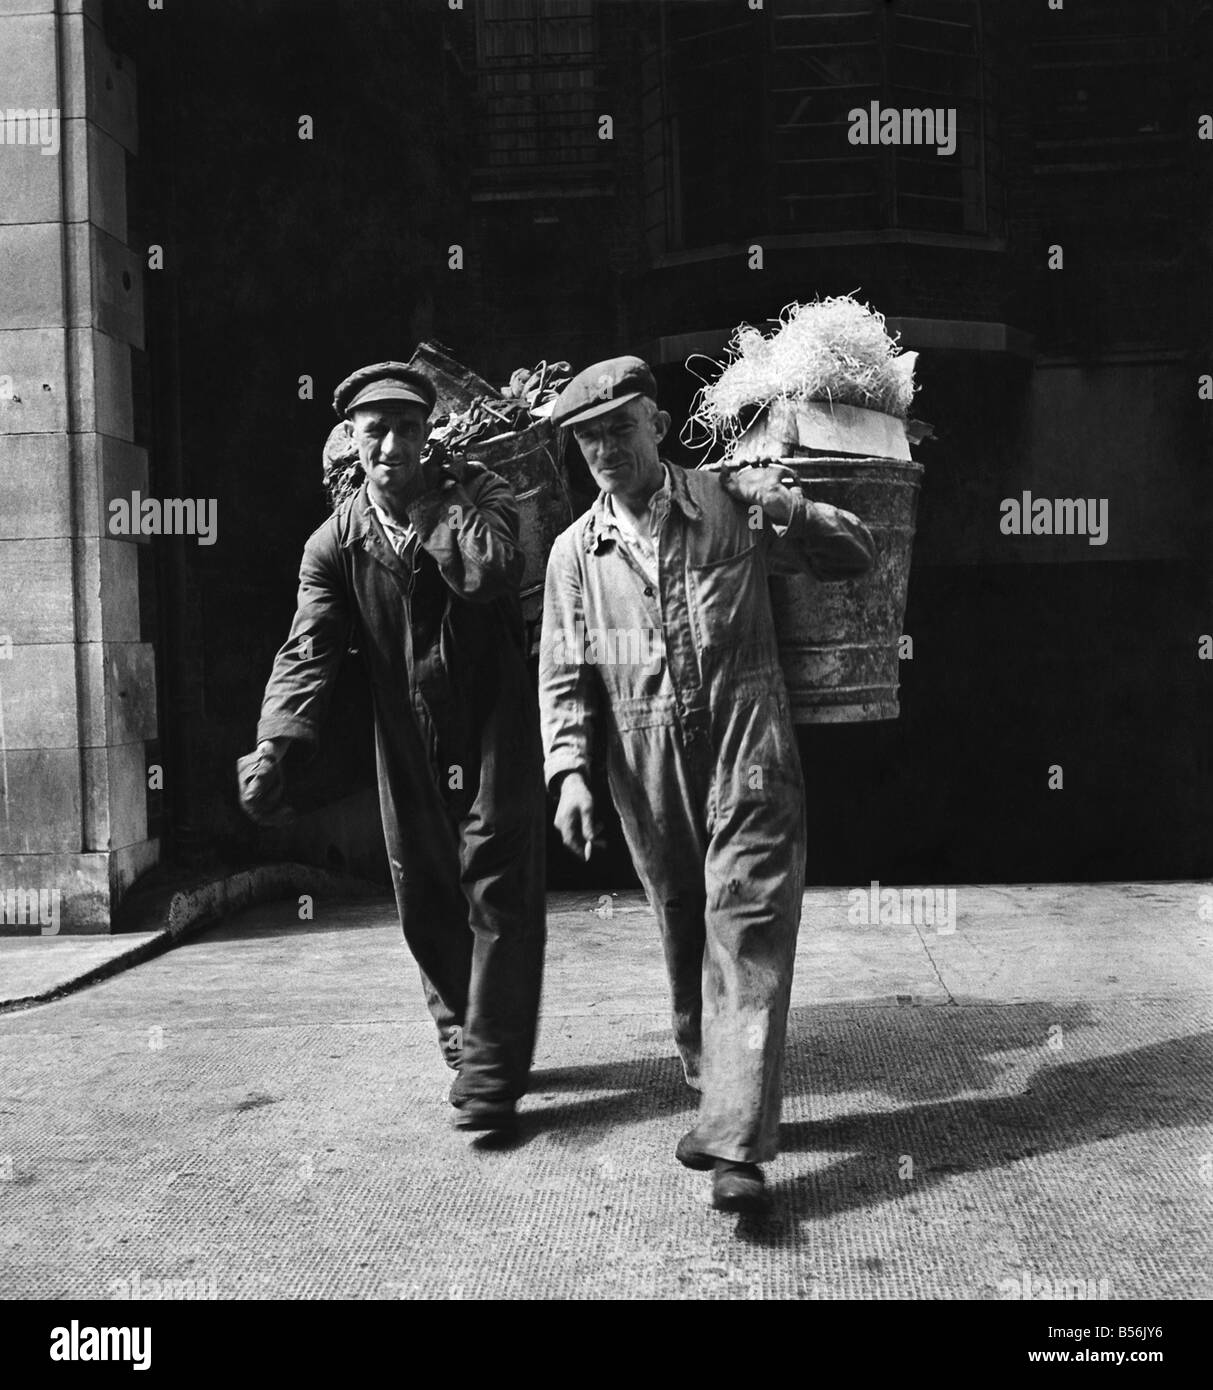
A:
[77,685]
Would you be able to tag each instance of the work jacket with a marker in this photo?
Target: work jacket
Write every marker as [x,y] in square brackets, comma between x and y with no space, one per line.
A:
[441,637]
[709,624]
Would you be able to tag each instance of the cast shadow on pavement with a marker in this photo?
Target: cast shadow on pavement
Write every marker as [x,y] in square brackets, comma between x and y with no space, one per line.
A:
[907,1054]
[1060,1106]
[928,1061]
[623,1092]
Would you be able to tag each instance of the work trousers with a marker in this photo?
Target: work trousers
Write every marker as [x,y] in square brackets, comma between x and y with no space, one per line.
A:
[470,893]
[714,819]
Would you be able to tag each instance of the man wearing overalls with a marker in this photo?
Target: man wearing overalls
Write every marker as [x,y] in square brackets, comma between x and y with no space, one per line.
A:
[658,636]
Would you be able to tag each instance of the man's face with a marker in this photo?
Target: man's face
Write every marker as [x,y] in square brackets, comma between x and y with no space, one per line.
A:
[389,439]
[621,448]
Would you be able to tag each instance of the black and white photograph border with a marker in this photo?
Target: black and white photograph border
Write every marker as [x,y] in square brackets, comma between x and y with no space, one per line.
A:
[606,655]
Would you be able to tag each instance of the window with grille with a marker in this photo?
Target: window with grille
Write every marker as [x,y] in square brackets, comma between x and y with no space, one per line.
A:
[538,91]
[759,104]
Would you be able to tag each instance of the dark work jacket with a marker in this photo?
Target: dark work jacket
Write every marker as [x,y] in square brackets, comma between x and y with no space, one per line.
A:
[442,639]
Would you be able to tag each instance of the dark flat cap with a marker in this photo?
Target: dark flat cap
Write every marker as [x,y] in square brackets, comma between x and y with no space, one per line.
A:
[602,387]
[384,383]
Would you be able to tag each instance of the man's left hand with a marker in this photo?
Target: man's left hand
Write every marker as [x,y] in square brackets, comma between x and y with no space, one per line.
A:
[430,477]
[439,468]
[768,487]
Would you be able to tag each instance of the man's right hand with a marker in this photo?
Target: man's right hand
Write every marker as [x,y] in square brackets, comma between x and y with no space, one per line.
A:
[575,816]
[261,783]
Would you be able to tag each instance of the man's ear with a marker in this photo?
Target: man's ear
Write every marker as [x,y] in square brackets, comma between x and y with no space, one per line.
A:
[661,424]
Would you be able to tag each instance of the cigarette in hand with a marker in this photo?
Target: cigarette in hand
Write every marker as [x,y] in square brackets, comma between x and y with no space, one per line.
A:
[589,847]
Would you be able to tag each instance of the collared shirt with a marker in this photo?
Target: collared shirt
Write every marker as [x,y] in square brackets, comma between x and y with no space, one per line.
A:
[617,524]
[402,538]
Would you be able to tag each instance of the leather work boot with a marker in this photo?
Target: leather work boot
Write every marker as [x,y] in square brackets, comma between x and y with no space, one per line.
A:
[739,1187]
[486,1116]
[690,1155]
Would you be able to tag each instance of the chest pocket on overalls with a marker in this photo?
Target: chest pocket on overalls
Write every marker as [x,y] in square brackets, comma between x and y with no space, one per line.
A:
[722,600]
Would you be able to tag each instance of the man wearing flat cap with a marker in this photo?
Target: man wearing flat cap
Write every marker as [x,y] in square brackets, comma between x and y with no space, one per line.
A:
[420,569]
[658,641]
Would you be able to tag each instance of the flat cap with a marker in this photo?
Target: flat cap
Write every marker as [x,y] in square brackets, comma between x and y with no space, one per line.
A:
[384,383]
[602,387]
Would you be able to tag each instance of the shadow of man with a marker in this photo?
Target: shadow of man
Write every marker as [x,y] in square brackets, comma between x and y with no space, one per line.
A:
[1057,1107]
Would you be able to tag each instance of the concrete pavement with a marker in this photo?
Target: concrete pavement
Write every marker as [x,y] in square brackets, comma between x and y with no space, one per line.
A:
[1021,1103]
[39,965]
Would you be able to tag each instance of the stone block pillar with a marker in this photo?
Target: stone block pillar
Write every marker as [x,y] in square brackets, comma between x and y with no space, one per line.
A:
[77,685]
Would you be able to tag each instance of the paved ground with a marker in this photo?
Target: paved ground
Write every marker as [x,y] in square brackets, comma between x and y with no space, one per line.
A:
[36,965]
[40,964]
[261,1113]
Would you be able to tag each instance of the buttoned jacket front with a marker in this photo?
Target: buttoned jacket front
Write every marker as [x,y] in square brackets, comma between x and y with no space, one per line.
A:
[701,761]
[710,616]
